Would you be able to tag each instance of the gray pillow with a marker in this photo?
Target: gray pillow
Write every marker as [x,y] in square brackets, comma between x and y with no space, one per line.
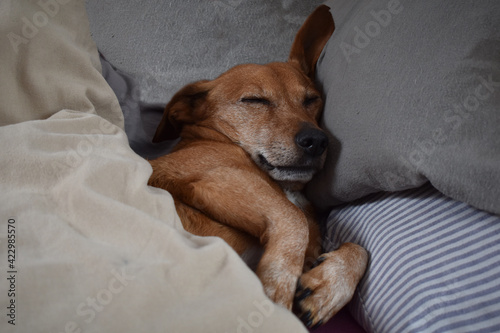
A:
[412,95]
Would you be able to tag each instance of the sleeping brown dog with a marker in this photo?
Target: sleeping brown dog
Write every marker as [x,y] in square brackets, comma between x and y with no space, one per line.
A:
[249,143]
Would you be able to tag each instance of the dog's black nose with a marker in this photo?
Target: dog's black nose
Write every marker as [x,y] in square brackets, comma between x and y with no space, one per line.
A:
[313,141]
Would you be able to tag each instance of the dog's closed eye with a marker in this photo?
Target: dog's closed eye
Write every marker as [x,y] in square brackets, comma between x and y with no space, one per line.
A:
[255,100]
[310,100]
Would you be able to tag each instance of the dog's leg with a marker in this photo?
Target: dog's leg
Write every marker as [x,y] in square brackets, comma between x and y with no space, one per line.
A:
[314,248]
[249,203]
[200,224]
[330,282]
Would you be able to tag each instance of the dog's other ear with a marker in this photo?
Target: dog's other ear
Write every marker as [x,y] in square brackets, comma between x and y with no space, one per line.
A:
[311,39]
[186,107]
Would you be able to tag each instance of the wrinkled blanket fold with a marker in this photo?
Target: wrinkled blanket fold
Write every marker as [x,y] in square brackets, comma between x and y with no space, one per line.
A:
[85,244]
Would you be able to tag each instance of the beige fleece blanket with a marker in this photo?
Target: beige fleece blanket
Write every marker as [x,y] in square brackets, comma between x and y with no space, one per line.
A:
[85,244]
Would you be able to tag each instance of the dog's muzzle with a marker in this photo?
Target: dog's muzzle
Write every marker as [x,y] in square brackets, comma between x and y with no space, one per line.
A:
[311,144]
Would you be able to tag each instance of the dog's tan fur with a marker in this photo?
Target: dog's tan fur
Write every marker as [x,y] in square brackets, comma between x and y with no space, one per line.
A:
[249,143]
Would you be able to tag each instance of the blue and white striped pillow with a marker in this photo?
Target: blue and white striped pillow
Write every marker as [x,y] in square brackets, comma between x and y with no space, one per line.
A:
[434,262]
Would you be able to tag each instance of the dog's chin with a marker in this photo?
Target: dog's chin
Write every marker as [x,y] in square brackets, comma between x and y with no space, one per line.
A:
[287,173]
[292,174]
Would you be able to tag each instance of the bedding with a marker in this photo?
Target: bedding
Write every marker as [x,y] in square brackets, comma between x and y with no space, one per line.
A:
[412,95]
[24,26]
[85,244]
[434,262]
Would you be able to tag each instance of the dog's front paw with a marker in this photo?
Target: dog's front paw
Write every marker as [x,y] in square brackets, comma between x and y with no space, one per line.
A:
[330,284]
[279,286]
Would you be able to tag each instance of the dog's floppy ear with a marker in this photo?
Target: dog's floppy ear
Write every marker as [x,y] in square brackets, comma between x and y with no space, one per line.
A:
[311,39]
[186,107]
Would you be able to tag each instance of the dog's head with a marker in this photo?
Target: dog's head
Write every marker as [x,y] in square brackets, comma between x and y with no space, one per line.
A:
[271,110]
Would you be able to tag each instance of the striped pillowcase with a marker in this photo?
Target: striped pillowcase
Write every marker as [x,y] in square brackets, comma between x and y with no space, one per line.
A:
[434,262]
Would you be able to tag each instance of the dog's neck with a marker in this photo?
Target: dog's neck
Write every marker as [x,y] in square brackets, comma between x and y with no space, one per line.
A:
[288,186]
[196,132]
